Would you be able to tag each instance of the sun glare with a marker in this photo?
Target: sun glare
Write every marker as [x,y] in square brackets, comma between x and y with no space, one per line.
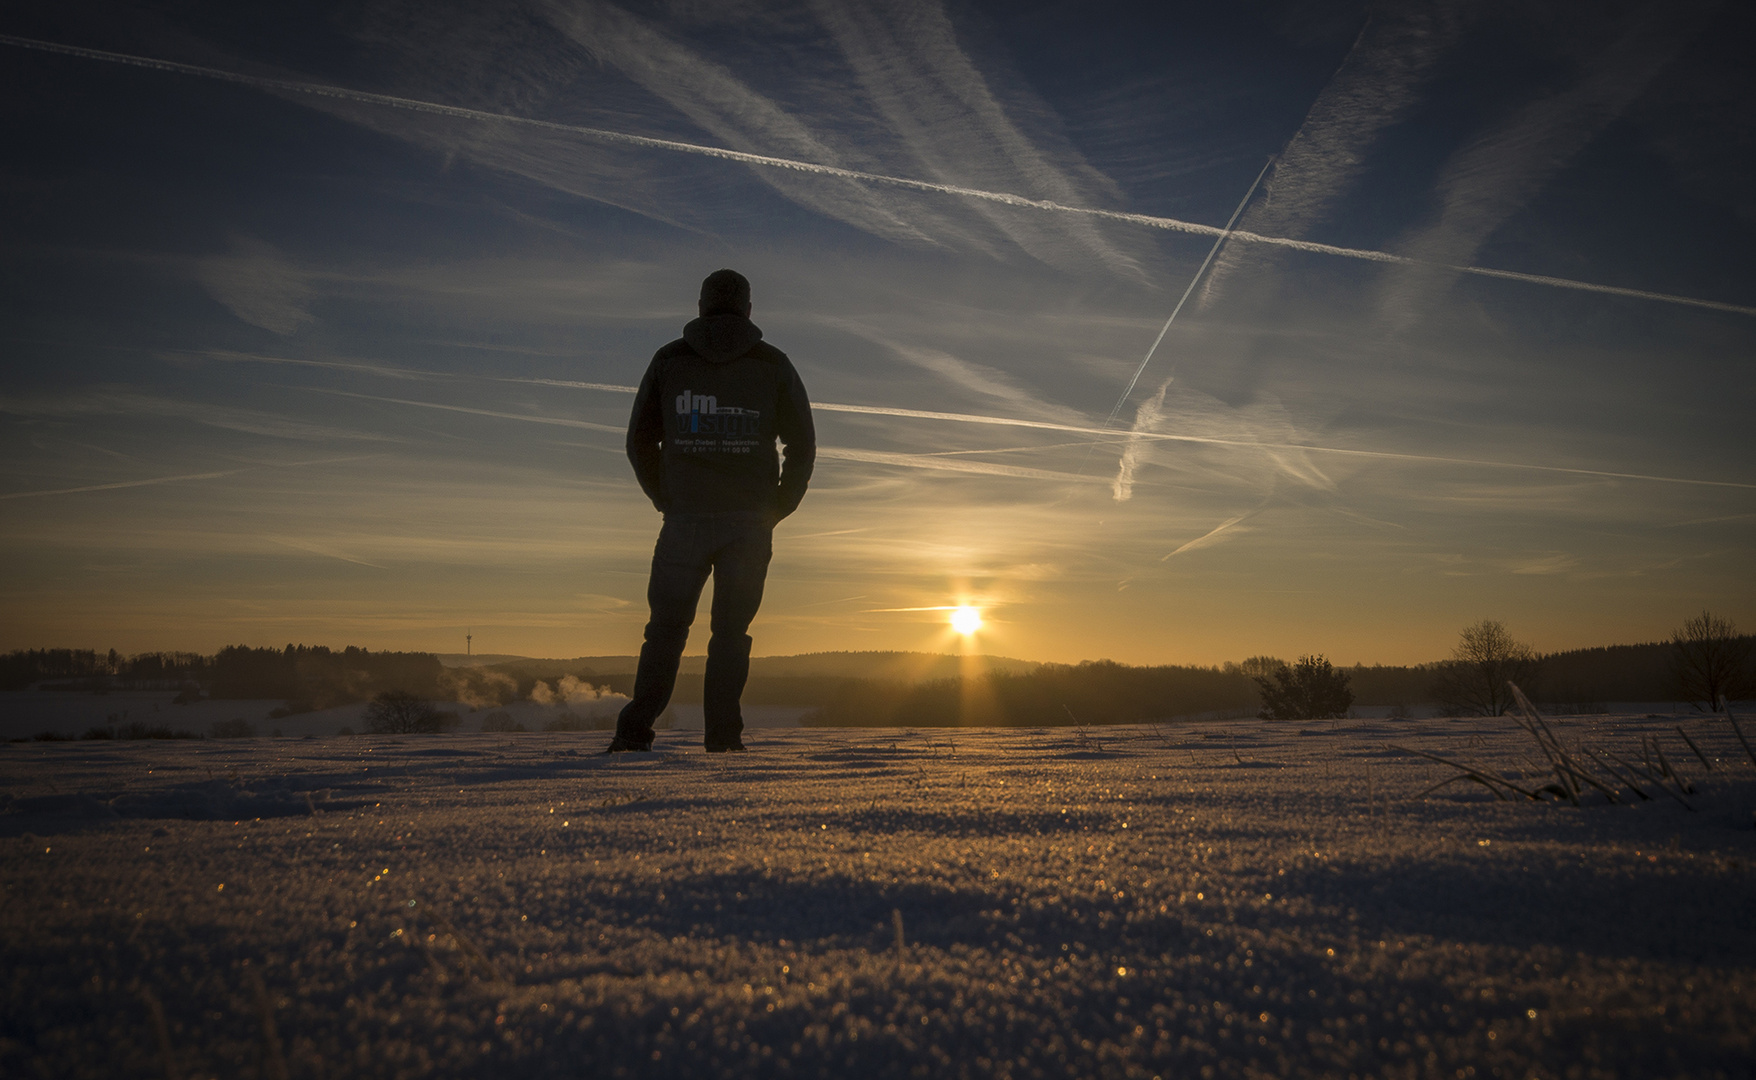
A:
[966,620]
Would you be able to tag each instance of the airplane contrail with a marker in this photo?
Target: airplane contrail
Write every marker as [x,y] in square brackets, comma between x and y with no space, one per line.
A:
[1252,444]
[295,86]
[939,464]
[960,418]
[557,421]
[1211,536]
[916,460]
[157,480]
[318,549]
[124,484]
[1218,243]
[385,370]
[569,384]
[1123,486]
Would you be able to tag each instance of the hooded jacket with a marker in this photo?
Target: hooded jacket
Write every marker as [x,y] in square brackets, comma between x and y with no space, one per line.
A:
[706,417]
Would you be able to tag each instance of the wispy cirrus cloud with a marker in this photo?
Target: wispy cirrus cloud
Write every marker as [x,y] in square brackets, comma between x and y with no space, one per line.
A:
[1191,416]
[725,106]
[563,156]
[125,402]
[1136,451]
[951,273]
[983,381]
[259,285]
[947,123]
[1263,430]
[1378,84]
[1483,185]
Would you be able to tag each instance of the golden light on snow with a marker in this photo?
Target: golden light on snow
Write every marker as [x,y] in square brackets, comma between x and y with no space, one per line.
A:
[966,620]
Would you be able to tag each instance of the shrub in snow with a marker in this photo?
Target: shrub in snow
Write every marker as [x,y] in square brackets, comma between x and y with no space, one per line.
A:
[1310,690]
[398,712]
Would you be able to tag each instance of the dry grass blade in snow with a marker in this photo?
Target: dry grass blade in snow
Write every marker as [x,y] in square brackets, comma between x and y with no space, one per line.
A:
[1732,719]
[270,1064]
[1572,776]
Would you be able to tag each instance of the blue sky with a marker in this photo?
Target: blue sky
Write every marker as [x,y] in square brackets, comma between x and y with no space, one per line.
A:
[282,365]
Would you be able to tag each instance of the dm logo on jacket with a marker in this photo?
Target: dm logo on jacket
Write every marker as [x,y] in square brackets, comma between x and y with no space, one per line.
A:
[706,426]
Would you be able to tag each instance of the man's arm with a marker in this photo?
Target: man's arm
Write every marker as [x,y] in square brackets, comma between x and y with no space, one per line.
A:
[646,434]
[798,436]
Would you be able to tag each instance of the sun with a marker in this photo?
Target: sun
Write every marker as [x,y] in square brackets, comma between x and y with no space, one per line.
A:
[966,620]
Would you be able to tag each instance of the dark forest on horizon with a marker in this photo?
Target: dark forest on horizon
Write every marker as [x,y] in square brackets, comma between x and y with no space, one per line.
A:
[848,689]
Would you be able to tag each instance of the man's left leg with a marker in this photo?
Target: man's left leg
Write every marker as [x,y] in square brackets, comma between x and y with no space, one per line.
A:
[740,570]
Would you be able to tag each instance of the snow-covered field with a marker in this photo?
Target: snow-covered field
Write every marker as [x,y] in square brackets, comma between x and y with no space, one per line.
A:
[1220,899]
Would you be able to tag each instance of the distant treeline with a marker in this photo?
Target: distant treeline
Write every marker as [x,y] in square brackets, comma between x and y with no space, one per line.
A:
[317,677]
[1098,692]
[1095,692]
[1576,677]
[1107,693]
[87,668]
[1611,673]
[304,676]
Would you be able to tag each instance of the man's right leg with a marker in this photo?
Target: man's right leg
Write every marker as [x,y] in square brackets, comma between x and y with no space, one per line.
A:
[679,569]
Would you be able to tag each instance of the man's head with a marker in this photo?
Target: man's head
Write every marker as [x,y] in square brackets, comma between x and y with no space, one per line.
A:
[725,292]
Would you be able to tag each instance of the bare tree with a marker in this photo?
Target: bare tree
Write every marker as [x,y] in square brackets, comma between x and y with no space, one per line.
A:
[1711,659]
[1484,660]
[1261,667]
[398,712]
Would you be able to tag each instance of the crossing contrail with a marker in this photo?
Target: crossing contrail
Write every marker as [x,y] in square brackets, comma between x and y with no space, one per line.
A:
[1202,269]
[342,93]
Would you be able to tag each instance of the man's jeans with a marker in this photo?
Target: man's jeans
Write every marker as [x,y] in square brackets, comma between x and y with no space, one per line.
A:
[735,547]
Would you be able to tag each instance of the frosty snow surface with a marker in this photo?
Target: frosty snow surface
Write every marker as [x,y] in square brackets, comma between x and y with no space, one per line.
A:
[1234,898]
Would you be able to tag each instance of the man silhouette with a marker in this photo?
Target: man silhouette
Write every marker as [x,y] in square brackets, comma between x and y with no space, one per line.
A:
[702,441]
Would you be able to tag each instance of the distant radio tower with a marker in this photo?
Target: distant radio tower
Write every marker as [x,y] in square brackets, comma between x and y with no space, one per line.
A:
[467,639]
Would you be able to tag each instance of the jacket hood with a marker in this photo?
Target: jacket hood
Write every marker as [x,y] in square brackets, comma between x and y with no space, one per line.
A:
[721,339]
